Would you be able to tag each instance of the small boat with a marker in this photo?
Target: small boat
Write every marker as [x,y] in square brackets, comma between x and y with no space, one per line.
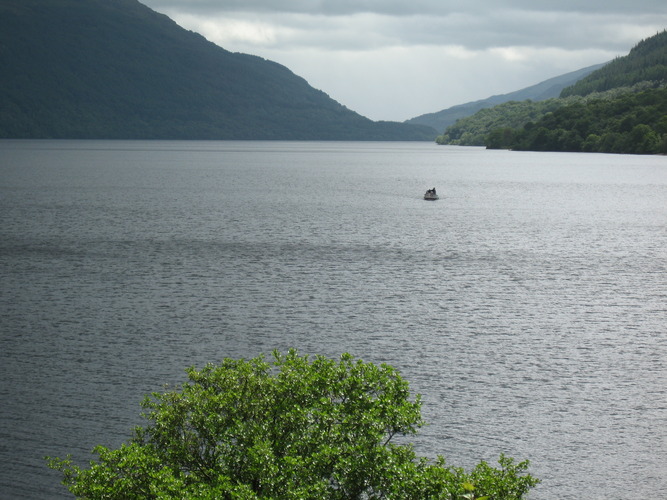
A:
[431,195]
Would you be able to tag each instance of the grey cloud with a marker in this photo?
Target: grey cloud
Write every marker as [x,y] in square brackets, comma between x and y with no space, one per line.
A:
[413,7]
[371,54]
[475,25]
[359,32]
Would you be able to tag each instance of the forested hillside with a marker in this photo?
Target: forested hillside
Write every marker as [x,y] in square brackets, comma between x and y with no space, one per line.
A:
[646,62]
[118,70]
[474,130]
[635,123]
[620,108]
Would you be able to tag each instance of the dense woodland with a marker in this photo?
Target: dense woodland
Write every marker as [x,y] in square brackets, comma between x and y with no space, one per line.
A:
[635,123]
[620,108]
[119,70]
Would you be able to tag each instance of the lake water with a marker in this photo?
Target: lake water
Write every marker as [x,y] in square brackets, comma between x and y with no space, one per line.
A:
[528,305]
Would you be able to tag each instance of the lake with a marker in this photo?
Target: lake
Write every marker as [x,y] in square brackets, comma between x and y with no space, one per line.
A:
[528,305]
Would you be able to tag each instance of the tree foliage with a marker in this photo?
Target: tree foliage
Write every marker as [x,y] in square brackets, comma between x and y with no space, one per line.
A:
[634,123]
[294,428]
[473,130]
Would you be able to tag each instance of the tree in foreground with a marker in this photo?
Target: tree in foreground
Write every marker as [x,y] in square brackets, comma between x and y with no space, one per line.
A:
[293,428]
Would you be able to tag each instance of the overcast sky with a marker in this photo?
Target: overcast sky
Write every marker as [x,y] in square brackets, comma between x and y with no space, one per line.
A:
[397,59]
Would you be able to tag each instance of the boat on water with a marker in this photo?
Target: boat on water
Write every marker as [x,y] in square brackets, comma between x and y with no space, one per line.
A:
[431,195]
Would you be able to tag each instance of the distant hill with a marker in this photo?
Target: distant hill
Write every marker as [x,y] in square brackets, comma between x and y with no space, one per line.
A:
[119,70]
[545,90]
[619,108]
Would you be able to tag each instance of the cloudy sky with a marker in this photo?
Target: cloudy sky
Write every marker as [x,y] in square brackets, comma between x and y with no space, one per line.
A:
[397,59]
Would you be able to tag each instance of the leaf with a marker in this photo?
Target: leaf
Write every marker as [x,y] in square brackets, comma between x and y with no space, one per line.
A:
[468,486]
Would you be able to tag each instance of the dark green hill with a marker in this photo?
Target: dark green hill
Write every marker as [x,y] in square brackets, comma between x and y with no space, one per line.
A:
[620,108]
[118,70]
[547,89]
[634,123]
[645,63]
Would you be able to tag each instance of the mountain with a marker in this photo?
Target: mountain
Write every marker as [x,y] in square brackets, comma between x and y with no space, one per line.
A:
[645,63]
[119,70]
[622,109]
[547,89]
[619,108]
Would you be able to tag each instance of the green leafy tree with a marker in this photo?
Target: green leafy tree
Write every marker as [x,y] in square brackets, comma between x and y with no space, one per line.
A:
[294,428]
[500,138]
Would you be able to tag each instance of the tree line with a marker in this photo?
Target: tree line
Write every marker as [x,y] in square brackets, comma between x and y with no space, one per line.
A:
[631,124]
[631,121]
